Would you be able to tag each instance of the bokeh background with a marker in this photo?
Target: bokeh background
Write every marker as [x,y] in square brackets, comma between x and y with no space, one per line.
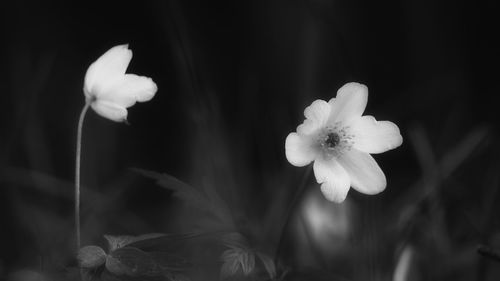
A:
[234,78]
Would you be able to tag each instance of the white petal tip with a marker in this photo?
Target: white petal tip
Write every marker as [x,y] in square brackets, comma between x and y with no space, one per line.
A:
[398,142]
[332,194]
[375,186]
[297,151]
[120,48]
[151,90]
[376,190]
[110,111]
[353,86]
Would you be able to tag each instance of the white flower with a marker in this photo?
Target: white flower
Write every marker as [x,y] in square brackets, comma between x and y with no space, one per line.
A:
[109,90]
[339,140]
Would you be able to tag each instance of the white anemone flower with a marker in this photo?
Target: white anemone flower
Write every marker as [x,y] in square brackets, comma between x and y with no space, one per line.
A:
[340,140]
[109,90]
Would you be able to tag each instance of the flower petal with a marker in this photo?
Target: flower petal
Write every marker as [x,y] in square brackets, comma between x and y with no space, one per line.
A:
[366,176]
[129,89]
[106,68]
[334,179]
[316,117]
[299,150]
[110,110]
[350,103]
[374,136]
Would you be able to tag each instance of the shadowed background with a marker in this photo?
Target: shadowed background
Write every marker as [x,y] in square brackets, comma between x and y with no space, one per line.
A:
[233,81]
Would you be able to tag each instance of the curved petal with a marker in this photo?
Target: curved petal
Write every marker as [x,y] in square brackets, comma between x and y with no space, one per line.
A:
[110,110]
[372,136]
[334,179]
[350,103]
[366,176]
[144,87]
[111,64]
[129,89]
[299,150]
[316,117]
[331,102]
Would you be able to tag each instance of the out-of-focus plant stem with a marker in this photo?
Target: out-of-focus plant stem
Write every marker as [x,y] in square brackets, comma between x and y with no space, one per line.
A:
[77,173]
[290,211]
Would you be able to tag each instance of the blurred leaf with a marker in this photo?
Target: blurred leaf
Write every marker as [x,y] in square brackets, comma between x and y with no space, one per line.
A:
[239,255]
[235,239]
[151,256]
[312,275]
[170,262]
[116,242]
[435,171]
[488,252]
[182,190]
[268,264]
[207,200]
[167,242]
[247,262]
[456,156]
[452,159]
[229,267]
[403,266]
[91,257]
[235,259]
[132,262]
[423,150]
[26,275]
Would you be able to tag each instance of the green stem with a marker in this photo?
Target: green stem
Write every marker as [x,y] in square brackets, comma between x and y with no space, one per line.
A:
[289,213]
[77,174]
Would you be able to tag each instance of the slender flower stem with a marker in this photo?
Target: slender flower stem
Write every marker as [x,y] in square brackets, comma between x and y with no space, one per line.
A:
[300,190]
[77,173]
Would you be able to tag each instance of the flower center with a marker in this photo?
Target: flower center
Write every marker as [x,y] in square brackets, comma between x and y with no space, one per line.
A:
[332,140]
[335,140]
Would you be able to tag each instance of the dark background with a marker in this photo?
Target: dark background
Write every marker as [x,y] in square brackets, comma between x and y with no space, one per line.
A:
[233,79]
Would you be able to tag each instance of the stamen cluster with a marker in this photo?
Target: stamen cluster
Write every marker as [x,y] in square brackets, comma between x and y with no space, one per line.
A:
[335,140]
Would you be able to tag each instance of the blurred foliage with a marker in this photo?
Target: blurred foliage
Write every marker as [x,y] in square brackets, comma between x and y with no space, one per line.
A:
[233,78]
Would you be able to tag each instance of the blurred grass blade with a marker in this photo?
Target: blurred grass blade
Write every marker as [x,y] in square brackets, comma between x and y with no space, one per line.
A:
[403,267]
